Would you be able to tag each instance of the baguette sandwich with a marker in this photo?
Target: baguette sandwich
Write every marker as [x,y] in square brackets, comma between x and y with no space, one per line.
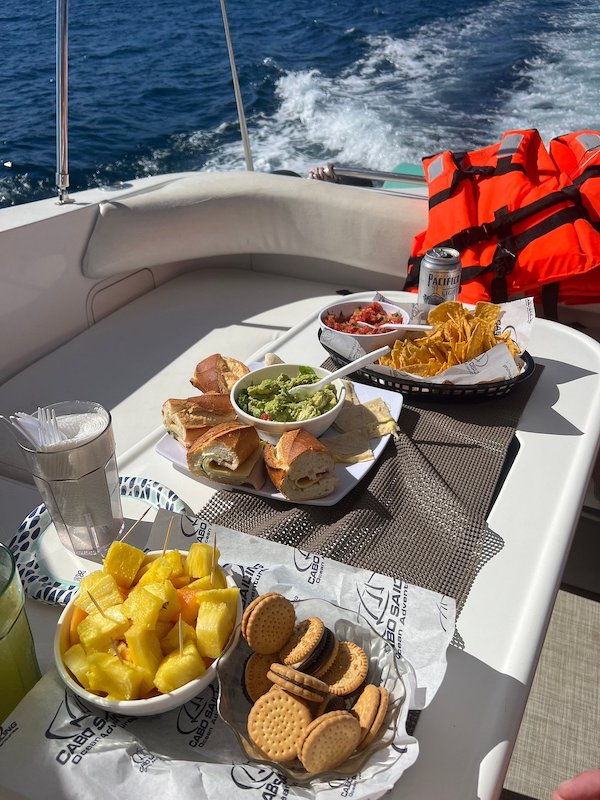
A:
[229,453]
[300,466]
[218,373]
[188,419]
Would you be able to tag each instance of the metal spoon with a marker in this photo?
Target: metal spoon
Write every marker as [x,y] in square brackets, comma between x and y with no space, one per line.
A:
[396,326]
[306,389]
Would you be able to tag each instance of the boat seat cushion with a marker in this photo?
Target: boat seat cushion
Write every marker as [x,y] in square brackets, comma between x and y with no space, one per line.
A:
[146,352]
[202,215]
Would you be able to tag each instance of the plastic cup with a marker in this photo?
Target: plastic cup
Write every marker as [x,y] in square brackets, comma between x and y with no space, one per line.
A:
[78,478]
[19,670]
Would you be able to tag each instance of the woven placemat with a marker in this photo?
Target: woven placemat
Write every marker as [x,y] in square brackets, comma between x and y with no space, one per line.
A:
[420,513]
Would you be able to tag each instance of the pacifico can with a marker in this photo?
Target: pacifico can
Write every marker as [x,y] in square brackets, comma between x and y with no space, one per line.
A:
[439,276]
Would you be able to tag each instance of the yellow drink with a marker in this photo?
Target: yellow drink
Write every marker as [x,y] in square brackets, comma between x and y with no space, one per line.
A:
[19,669]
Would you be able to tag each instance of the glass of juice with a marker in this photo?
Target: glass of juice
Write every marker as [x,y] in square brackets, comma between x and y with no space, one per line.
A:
[19,669]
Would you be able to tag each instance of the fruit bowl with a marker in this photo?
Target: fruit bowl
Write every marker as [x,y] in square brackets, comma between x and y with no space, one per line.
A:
[385,669]
[159,703]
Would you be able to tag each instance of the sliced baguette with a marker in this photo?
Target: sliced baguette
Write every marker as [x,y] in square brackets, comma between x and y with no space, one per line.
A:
[300,466]
[186,420]
[229,453]
[218,373]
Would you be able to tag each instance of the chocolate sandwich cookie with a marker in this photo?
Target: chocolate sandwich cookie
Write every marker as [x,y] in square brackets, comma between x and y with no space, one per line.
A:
[322,656]
[348,670]
[268,622]
[297,683]
[302,643]
[366,707]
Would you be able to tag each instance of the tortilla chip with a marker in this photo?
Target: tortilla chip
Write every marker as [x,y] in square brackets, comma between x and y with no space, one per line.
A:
[351,447]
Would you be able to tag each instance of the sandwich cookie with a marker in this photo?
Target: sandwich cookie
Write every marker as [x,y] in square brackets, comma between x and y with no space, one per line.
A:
[255,682]
[332,702]
[328,741]
[276,724]
[365,708]
[297,683]
[323,655]
[348,670]
[378,719]
[302,643]
[268,622]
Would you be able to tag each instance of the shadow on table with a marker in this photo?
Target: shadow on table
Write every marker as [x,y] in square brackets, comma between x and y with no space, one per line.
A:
[455,734]
[546,418]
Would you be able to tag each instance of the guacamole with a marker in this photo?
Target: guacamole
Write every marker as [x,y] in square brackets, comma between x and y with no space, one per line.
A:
[271,399]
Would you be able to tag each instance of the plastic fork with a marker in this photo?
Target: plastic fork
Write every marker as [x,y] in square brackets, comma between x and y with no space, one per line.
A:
[393,326]
[49,430]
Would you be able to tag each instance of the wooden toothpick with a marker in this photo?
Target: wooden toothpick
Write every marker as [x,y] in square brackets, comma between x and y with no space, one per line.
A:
[213,565]
[95,602]
[167,536]
[116,649]
[134,524]
[180,630]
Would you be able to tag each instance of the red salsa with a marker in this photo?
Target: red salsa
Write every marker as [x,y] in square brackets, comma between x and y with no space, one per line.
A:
[373,314]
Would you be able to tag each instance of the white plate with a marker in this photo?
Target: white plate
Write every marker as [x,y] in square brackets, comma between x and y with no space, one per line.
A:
[348,474]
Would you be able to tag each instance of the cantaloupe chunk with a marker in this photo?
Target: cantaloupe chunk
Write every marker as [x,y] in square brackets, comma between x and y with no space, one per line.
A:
[188,605]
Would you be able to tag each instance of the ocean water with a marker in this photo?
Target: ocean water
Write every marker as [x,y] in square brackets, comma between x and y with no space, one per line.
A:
[367,84]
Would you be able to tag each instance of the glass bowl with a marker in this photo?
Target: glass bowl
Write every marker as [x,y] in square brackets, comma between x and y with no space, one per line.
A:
[385,669]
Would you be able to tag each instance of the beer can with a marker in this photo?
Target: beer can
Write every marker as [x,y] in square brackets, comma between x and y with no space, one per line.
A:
[439,276]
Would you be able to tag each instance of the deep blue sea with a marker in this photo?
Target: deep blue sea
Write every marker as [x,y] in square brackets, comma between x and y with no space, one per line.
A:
[368,83]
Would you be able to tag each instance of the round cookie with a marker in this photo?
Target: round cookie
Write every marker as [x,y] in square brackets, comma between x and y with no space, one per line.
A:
[255,682]
[365,708]
[302,642]
[328,741]
[384,701]
[297,683]
[323,655]
[268,623]
[349,669]
[276,724]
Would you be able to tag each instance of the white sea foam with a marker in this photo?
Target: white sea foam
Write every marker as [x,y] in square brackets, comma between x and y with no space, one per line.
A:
[394,104]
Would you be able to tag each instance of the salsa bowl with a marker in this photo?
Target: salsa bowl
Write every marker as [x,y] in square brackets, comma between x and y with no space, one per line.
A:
[341,313]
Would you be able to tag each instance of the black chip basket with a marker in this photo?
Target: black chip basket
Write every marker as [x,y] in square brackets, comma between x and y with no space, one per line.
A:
[446,392]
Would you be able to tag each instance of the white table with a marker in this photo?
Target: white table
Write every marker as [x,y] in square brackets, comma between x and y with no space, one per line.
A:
[467,733]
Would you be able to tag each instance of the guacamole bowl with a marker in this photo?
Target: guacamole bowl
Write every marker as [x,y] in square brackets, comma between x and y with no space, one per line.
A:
[270,429]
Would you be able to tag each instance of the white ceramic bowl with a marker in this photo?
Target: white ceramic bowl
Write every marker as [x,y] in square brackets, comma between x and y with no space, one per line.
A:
[369,341]
[273,430]
[152,705]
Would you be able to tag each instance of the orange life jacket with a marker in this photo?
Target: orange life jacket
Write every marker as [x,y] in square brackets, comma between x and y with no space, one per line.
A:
[526,220]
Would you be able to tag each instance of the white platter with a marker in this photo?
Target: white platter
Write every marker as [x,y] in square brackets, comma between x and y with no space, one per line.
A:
[348,474]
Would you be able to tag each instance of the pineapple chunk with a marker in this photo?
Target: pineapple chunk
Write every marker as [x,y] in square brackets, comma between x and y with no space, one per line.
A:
[229,596]
[75,660]
[102,587]
[198,561]
[213,628]
[176,561]
[205,583]
[123,562]
[144,650]
[142,607]
[163,627]
[97,630]
[119,680]
[177,669]
[159,570]
[170,642]
[170,600]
